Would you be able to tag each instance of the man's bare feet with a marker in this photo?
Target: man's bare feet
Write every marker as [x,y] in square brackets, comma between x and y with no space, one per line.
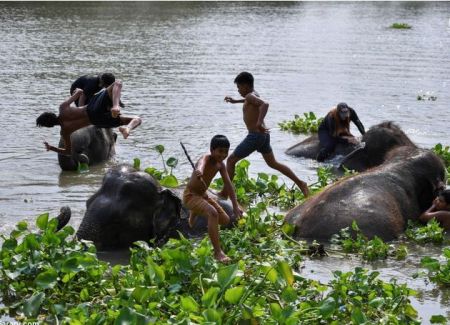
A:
[221,257]
[192,219]
[125,131]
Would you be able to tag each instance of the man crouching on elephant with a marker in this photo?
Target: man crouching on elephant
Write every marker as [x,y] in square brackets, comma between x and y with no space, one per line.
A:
[196,199]
[102,111]
[439,210]
[335,128]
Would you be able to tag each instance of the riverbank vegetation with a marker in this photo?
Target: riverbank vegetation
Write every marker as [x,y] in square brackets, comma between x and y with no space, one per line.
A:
[52,277]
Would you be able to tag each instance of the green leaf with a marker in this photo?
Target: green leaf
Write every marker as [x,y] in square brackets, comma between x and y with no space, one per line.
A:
[288,228]
[46,279]
[159,148]
[32,305]
[327,308]
[210,296]
[189,305]
[286,272]
[136,163]
[226,275]
[169,181]
[82,168]
[172,162]
[41,221]
[358,316]
[22,225]
[71,265]
[212,315]
[84,294]
[289,294]
[438,319]
[233,295]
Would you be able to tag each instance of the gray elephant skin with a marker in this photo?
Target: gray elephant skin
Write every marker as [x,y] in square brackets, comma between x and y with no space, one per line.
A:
[131,206]
[310,147]
[381,200]
[90,145]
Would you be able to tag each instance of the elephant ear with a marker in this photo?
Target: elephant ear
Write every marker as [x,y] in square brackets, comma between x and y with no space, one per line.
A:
[170,197]
[356,160]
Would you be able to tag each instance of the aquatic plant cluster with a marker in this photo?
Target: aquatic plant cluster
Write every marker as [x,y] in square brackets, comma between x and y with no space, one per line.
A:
[302,125]
[444,153]
[48,275]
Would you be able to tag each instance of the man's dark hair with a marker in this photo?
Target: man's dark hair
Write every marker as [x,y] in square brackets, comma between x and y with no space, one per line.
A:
[244,78]
[47,119]
[219,141]
[107,78]
[445,194]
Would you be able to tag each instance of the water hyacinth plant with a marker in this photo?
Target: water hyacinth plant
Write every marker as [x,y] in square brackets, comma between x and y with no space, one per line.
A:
[401,26]
[302,125]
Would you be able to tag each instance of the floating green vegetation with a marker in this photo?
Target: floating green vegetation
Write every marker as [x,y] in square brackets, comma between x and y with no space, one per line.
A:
[355,242]
[432,232]
[401,26]
[426,96]
[267,188]
[307,124]
[51,277]
[165,176]
[82,168]
[444,153]
[438,272]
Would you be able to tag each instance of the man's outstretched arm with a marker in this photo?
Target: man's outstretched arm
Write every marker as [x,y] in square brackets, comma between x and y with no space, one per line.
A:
[63,151]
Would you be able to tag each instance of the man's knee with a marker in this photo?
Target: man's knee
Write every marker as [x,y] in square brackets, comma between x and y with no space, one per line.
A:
[232,160]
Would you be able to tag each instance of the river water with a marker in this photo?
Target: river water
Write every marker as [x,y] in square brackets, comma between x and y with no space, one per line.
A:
[177,62]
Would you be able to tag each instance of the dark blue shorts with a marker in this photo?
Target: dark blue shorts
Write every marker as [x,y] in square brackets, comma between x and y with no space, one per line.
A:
[99,111]
[254,141]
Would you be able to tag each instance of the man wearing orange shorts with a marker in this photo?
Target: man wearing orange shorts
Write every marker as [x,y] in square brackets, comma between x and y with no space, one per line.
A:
[196,199]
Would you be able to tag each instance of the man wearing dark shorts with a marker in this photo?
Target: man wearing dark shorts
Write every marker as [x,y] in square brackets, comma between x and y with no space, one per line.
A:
[258,138]
[91,85]
[102,111]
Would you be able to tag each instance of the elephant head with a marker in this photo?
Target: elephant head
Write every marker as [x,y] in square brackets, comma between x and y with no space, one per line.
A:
[90,145]
[378,141]
[129,206]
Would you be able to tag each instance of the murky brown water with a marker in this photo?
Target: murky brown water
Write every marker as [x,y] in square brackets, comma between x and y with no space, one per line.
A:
[178,61]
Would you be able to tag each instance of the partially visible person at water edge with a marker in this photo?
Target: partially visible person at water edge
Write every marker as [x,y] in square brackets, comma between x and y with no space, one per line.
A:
[439,210]
[258,138]
[196,199]
[91,85]
[102,111]
[335,128]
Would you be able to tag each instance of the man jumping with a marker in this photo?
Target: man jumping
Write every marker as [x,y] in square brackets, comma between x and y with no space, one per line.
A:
[102,111]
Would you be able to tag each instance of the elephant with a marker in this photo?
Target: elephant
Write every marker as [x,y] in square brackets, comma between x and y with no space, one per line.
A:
[131,206]
[381,200]
[378,141]
[90,145]
[310,147]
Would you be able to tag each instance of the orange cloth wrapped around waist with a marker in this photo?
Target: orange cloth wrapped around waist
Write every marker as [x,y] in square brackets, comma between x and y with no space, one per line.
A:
[199,204]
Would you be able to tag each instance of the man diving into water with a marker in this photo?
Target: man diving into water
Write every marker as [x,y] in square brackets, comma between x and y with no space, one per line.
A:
[102,111]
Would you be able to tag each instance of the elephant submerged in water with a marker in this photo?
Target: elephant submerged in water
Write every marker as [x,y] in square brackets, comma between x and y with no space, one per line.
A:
[132,206]
[310,147]
[382,199]
[90,145]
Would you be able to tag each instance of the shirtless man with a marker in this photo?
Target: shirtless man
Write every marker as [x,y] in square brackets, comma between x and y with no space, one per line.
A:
[102,111]
[197,200]
[258,138]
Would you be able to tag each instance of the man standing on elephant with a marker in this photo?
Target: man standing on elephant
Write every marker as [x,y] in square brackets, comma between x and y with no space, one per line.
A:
[335,128]
[258,138]
[91,85]
[102,111]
